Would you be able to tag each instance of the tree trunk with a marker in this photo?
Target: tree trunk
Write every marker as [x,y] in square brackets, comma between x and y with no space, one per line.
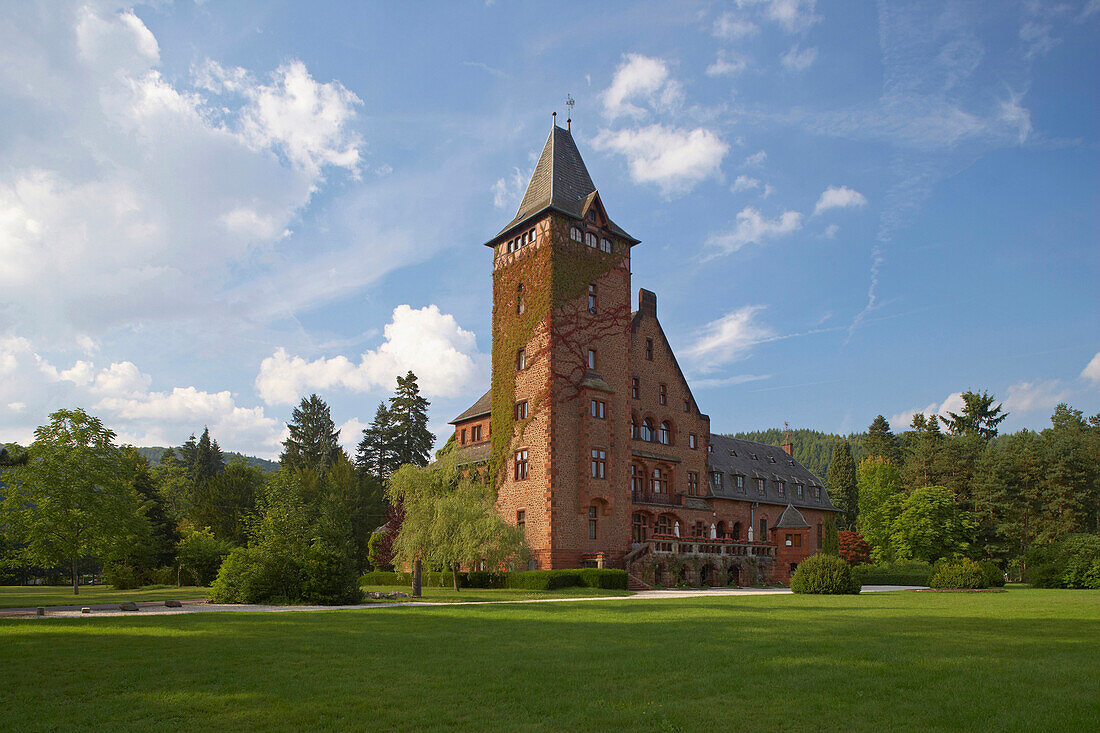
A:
[76,581]
[179,571]
[416,579]
[454,576]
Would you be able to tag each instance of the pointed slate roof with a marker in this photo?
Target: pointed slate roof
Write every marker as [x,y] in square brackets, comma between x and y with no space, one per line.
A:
[791,517]
[482,407]
[560,182]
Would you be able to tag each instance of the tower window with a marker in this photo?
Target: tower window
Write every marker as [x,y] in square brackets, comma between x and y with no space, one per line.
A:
[591,358]
[590,239]
[647,430]
[691,441]
[649,349]
[475,434]
[593,512]
[662,394]
[664,434]
[634,387]
[687,406]
[575,234]
[599,463]
[521,519]
[521,410]
[597,408]
[462,436]
[592,297]
[633,429]
[693,483]
[605,244]
[521,360]
[520,304]
[660,481]
[521,465]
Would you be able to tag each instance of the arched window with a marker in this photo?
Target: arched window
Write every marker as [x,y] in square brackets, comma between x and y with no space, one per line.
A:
[647,430]
[520,305]
[721,529]
[605,245]
[736,530]
[664,434]
[660,481]
[575,234]
[590,239]
[638,527]
[664,525]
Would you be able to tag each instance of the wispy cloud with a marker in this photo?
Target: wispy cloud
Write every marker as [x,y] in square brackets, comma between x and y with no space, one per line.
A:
[486,68]
[752,227]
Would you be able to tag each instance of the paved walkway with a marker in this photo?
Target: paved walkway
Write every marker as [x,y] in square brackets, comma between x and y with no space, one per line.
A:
[198,606]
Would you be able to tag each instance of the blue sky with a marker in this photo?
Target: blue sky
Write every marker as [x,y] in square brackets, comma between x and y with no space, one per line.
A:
[210,209]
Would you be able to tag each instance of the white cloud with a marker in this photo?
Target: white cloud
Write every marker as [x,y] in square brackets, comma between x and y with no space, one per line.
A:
[429,343]
[82,373]
[1091,371]
[792,15]
[839,197]
[1025,397]
[87,344]
[729,338]
[753,228]
[640,79]
[676,159]
[122,379]
[831,230]
[755,160]
[744,183]
[351,432]
[507,191]
[17,406]
[902,420]
[1016,115]
[799,60]
[732,27]
[727,64]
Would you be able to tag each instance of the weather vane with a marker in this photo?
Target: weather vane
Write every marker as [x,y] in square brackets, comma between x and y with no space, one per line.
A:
[569,102]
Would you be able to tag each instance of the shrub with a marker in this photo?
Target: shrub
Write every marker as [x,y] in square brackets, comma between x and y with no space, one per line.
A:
[994,576]
[905,572]
[482,579]
[329,577]
[853,548]
[379,552]
[201,553]
[960,574]
[543,579]
[824,575]
[1071,562]
[603,578]
[123,576]
[383,577]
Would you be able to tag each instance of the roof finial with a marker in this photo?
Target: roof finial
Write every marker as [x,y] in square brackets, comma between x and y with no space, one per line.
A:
[555,116]
[569,102]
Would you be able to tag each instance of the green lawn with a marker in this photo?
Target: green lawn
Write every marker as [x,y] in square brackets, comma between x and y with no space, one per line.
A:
[1020,660]
[444,595]
[18,596]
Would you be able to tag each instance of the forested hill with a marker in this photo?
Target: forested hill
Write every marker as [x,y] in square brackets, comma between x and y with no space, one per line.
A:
[812,448]
[153,456]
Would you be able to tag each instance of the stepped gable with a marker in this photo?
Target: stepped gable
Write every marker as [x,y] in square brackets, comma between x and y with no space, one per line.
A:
[560,182]
[733,456]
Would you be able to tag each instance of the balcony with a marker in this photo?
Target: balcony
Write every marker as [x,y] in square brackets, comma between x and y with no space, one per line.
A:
[701,546]
[646,497]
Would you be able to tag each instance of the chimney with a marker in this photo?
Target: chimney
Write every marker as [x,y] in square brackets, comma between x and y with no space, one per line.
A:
[788,448]
[647,302]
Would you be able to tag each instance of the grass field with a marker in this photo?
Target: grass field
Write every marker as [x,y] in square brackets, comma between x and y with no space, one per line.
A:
[1021,660]
[18,596]
[444,595]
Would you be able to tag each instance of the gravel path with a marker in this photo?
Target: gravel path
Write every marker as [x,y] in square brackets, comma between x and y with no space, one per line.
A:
[198,606]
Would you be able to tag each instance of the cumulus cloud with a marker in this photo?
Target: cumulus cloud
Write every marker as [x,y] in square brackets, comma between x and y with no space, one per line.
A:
[792,15]
[798,59]
[676,159]
[755,160]
[953,403]
[1091,371]
[839,197]
[744,183]
[640,79]
[727,64]
[1025,397]
[727,339]
[430,343]
[351,432]
[507,191]
[753,228]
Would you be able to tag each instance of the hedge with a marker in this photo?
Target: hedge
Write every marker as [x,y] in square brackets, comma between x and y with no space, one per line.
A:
[961,574]
[906,572]
[528,579]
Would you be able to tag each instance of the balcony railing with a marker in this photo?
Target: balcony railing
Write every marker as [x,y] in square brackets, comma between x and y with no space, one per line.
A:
[646,497]
[668,544]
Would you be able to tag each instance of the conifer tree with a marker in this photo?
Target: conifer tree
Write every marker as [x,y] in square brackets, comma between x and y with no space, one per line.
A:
[314,440]
[208,460]
[881,441]
[979,417]
[377,455]
[409,412]
[842,484]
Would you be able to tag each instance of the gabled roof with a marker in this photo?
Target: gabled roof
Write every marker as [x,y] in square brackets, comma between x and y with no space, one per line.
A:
[733,456]
[482,407]
[791,517]
[560,182]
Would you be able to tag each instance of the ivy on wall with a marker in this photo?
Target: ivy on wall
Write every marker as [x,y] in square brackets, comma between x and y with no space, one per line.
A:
[555,273]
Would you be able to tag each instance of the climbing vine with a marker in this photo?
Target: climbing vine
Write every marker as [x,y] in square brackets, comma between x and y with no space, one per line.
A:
[555,273]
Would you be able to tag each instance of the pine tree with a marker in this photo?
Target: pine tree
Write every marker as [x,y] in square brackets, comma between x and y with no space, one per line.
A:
[376,455]
[842,484]
[409,412]
[208,460]
[881,441]
[978,419]
[314,441]
[187,453]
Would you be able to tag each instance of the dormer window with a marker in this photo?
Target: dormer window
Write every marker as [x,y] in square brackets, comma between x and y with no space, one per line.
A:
[753,455]
[592,215]
[760,486]
[590,239]
[575,234]
[782,487]
[817,492]
[798,490]
[605,244]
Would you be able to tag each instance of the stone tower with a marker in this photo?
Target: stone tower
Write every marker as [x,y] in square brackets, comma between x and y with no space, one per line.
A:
[561,367]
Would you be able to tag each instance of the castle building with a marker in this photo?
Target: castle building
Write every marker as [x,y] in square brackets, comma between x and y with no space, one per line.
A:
[590,432]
